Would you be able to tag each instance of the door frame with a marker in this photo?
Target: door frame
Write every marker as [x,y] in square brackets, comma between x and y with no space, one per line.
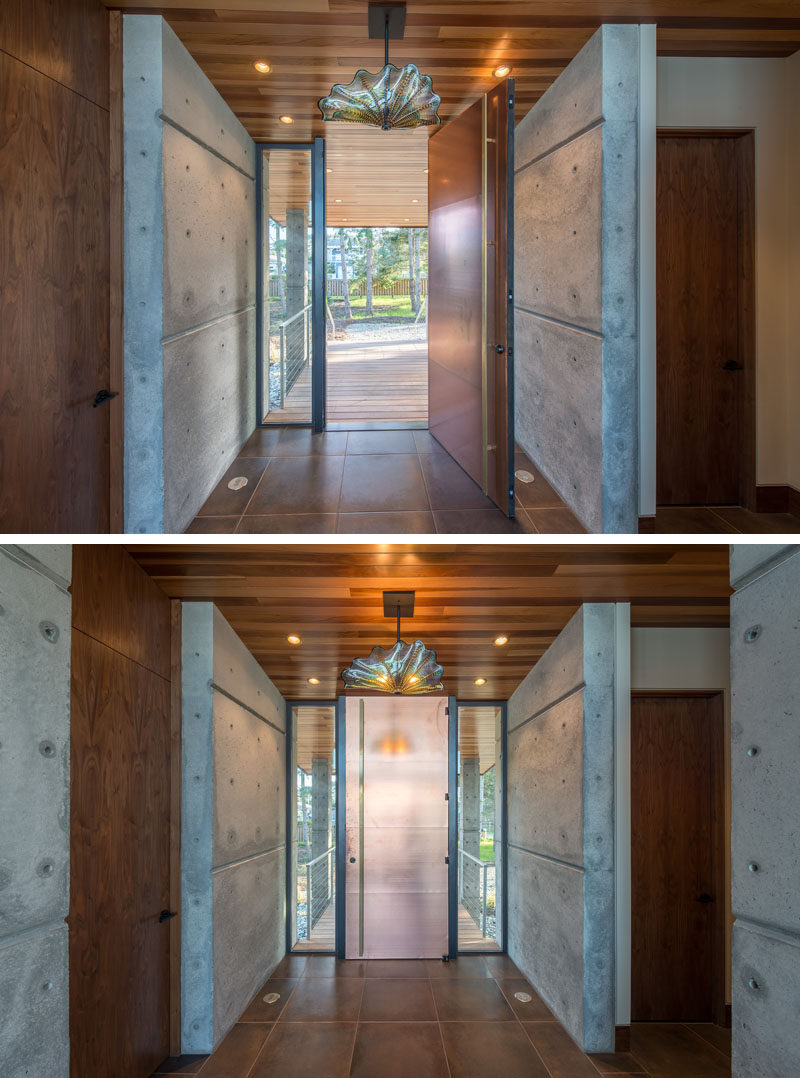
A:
[745,161]
[718,1005]
[316,148]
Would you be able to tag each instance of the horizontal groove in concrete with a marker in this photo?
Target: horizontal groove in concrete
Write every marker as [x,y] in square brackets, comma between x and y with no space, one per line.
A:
[246,707]
[546,857]
[559,145]
[184,131]
[560,322]
[760,928]
[244,860]
[548,707]
[205,325]
[11,938]
[28,561]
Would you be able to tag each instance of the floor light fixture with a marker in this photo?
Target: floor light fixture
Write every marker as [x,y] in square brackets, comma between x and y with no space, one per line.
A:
[392,97]
[403,669]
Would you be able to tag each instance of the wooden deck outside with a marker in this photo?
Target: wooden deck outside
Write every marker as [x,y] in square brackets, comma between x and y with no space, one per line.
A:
[323,935]
[375,381]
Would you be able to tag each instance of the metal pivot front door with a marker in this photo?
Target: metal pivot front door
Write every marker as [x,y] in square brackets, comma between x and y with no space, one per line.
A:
[470,319]
[396,752]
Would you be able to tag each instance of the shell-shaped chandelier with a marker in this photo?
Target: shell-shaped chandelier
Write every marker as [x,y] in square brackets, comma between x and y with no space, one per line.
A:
[403,669]
[393,97]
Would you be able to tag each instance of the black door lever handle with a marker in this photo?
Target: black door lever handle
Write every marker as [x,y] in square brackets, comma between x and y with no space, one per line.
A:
[103,396]
[732,365]
[165,915]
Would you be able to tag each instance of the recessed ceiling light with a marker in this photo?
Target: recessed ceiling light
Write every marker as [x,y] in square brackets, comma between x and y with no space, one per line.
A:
[501,71]
[406,218]
[293,638]
[287,119]
[415,200]
[313,681]
[262,66]
[425,171]
[500,640]
[480,680]
[344,218]
[329,170]
[337,200]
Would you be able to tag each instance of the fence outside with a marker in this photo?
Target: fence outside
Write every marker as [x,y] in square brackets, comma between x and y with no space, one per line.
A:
[358,290]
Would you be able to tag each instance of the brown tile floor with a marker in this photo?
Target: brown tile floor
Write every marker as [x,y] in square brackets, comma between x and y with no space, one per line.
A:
[367,481]
[671,519]
[431,1020]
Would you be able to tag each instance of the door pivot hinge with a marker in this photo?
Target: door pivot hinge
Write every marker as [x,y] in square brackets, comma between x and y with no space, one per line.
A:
[447,797]
[447,860]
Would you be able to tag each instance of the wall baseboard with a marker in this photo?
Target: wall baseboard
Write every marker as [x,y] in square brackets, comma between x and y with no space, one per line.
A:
[622,1038]
[777,498]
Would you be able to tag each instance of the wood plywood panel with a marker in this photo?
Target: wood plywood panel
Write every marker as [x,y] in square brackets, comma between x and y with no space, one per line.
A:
[54,305]
[376,177]
[465,595]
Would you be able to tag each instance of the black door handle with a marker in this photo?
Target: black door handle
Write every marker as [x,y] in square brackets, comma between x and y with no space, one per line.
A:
[352,860]
[732,365]
[165,915]
[103,395]
[499,349]
[704,898]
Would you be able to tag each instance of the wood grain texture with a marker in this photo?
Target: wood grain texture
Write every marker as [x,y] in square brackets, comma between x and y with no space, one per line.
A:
[465,595]
[119,864]
[54,295]
[66,40]
[698,274]
[312,44]
[116,358]
[116,603]
[677,808]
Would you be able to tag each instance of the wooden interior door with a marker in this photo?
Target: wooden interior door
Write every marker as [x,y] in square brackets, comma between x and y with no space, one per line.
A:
[703,275]
[119,949]
[470,313]
[677,883]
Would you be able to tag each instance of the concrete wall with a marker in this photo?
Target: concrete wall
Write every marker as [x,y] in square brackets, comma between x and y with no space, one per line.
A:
[761,94]
[233,860]
[576,282]
[765,749]
[190,249]
[35,618]
[682,660]
[561,827]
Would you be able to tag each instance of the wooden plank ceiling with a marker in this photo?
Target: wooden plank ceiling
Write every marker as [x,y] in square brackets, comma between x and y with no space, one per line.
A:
[331,596]
[311,44]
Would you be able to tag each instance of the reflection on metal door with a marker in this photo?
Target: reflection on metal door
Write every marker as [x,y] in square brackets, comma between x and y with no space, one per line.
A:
[470,269]
[396,819]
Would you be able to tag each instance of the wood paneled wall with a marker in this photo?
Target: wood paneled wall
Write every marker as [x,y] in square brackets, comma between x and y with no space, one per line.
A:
[54,266]
[125,741]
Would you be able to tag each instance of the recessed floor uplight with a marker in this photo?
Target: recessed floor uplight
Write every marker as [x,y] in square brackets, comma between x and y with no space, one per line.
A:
[287,119]
[262,66]
[293,638]
[500,640]
[501,71]
[480,681]
[313,681]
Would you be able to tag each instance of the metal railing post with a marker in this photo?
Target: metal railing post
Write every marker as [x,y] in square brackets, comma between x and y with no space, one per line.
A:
[483,908]
[308,900]
[283,363]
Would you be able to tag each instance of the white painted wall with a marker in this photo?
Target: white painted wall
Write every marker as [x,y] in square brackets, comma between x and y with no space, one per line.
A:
[760,94]
[687,659]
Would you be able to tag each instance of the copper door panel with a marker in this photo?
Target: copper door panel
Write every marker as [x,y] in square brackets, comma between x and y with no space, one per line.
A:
[397,832]
[455,305]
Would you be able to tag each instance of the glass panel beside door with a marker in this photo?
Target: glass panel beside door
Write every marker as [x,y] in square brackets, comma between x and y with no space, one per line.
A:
[312,815]
[291,346]
[480,820]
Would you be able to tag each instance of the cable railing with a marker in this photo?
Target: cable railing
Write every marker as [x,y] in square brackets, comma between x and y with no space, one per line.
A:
[320,886]
[295,342]
[473,886]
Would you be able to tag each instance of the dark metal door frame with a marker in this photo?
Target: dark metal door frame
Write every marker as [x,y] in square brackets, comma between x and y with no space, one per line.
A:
[318,274]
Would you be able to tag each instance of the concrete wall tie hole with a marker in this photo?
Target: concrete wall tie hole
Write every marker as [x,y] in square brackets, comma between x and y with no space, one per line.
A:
[237,482]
